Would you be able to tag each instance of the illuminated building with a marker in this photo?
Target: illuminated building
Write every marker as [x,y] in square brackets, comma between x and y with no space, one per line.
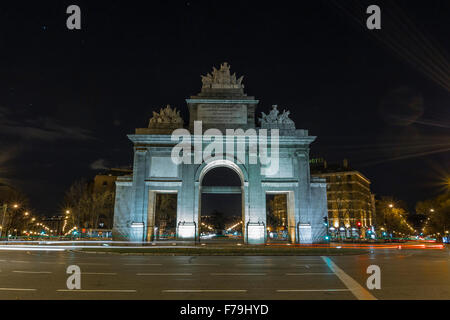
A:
[351,205]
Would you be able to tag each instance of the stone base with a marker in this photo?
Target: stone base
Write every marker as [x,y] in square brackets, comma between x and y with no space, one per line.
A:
[186,231]
[137,231]
[305,234]
[256,233]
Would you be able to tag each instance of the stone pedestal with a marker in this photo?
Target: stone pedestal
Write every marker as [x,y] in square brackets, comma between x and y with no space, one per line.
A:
[137,231]
[186,231]
[305,233]
[256,233]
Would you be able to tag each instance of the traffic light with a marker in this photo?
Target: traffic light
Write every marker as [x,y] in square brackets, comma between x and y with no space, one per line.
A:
[358,224]
[325,221]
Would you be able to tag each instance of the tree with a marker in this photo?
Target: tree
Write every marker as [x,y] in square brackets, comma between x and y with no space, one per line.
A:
[86,207]
[437,214]
[392,216]
[13,218]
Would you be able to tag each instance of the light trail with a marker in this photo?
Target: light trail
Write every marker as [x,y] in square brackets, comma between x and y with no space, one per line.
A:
[408,42]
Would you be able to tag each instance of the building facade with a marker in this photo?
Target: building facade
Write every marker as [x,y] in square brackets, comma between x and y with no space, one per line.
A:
[351,205]
[221,110]
[106,180]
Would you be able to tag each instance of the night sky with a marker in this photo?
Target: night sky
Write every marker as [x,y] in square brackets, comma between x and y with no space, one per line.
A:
[378,98]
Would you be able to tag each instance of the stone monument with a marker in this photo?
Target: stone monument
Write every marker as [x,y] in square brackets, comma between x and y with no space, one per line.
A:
[221,104]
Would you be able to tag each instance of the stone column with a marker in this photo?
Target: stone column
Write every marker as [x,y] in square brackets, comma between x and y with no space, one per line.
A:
[303,199]
[186,217]
[319,209]
[197,208]
[151,216]
[139,214]
[256,224]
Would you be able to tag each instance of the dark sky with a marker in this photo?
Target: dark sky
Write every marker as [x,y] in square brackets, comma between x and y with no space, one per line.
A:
[379,98]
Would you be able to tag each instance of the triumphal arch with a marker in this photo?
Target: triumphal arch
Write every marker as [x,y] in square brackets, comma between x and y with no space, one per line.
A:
[268,153]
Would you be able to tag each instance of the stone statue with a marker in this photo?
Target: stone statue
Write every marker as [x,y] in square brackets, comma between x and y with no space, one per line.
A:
[284,118]
[276,120]
[222,78]
[166,117]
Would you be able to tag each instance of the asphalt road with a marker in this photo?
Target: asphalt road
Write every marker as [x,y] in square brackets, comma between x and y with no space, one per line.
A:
[405,274]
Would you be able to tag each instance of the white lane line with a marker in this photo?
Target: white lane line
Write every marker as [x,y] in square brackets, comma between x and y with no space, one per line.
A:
[142,264]
[311,274]
[99,290]
[33,272]
[16,289]
[45,262]
[238,274]
[302,265]
[92,264]
[199,264]
[19,261]
[14,248]
[100,273]
[313,290]
[164,274]
[358,291]
[255,264]
[204,291]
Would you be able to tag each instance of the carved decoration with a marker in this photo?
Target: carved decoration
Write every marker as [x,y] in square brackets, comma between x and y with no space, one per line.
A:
[166,117]
[222,78]
[274,119]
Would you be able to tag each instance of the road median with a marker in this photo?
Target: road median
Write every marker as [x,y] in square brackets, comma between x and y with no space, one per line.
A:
[227,251]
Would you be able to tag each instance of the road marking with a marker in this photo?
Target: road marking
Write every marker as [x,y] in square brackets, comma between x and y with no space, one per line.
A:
[19,261]
[199,264]
[301,265]
[16,289]
[310,274]
[100,273]
[164,274]
[142,264]
[22,271]
[203,291]
[255,264]
[358,291]
[93,264]
[313,290]
[45,262]
[98,290]
[238,274]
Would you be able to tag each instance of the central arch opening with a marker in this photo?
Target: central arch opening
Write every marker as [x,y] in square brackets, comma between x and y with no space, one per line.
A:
[221,205]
